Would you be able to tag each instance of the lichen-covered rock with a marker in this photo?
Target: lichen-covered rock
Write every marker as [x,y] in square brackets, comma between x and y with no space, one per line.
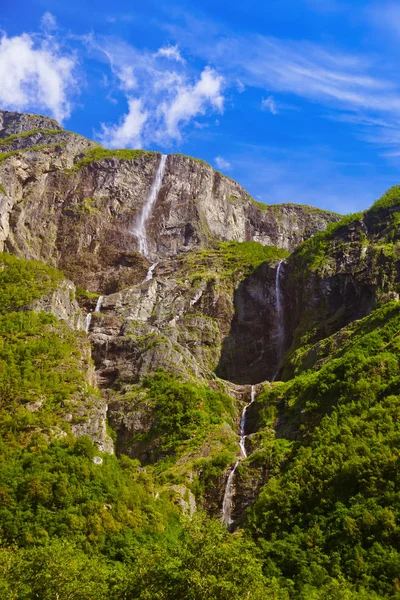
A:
[62,304]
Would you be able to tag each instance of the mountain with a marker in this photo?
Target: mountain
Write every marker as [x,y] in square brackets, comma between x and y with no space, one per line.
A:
[153,316]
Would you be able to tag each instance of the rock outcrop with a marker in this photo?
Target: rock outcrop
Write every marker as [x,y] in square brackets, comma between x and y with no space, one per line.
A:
[67,201]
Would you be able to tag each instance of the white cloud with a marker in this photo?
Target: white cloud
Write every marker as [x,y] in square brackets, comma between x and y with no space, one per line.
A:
[192,100]
[49,22]
[129,131]
[162,100]
[127,77]
[269,104]
[171,52]
[35,76]
[221,163]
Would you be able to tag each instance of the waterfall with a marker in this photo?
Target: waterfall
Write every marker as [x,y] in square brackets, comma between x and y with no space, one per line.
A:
[89,315]
[88,320]
[140,230]
[150,272]
[242,442]
[280,338]
[227,503]
[99,304]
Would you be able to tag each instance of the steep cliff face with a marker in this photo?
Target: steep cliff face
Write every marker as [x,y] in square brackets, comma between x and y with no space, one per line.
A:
[69,202]
[341,275]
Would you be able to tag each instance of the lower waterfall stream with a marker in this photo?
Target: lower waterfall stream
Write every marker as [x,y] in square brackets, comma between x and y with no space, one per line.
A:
[227,504]
[89,315]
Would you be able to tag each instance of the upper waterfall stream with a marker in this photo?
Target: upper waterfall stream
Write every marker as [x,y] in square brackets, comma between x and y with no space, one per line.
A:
[279,320]
[140,230]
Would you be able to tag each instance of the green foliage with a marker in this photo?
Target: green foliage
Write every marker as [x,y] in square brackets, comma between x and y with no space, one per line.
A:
[85,207]
[23,281]
[25,134]
[206,563]
[333,510]
[182,413]
[2,190]
[36,148]
[38,361]
[391,199]
[57,490]
[98,153]
[314,253]
[82,293]
[229,261]
[197,160]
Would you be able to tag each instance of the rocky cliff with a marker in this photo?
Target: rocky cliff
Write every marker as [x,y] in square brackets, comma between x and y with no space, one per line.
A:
[71,203]
[206,313]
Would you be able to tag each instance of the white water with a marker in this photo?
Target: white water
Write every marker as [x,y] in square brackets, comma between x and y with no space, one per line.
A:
[89,315]
[150,272]
[242,442]
[88,320]
[99,304]
[280,338]
[227,503]
[140,230]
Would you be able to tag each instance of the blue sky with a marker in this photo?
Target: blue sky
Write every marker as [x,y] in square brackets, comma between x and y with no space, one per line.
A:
[298,100]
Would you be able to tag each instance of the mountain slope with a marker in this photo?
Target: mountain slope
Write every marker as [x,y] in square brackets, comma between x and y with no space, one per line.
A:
[123,388]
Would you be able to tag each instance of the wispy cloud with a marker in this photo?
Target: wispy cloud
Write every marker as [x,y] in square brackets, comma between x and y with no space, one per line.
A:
[340,83]
[35,74]
[222,164]
[269,104]
[171,52]
[162,99]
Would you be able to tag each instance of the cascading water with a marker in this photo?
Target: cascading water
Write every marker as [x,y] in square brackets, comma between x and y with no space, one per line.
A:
[140,230]
[242,442]
[96,310]
[150,272]
[280,338]
[227,504]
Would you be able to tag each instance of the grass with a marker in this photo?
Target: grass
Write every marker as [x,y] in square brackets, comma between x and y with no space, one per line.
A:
[16,136]
[97,154]
[229,260]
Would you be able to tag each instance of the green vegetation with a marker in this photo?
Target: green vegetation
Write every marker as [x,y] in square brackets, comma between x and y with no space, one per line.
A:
[72,528]
[229,260]
[2,190]
[85,207]
[181,414]
[23,281]
[197,160]
[39,360]
[329,519]
[98,153]
[277,208]
[82,293]
[25,134]
[391,199]
[36,148]
[204,563]
[326,443]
